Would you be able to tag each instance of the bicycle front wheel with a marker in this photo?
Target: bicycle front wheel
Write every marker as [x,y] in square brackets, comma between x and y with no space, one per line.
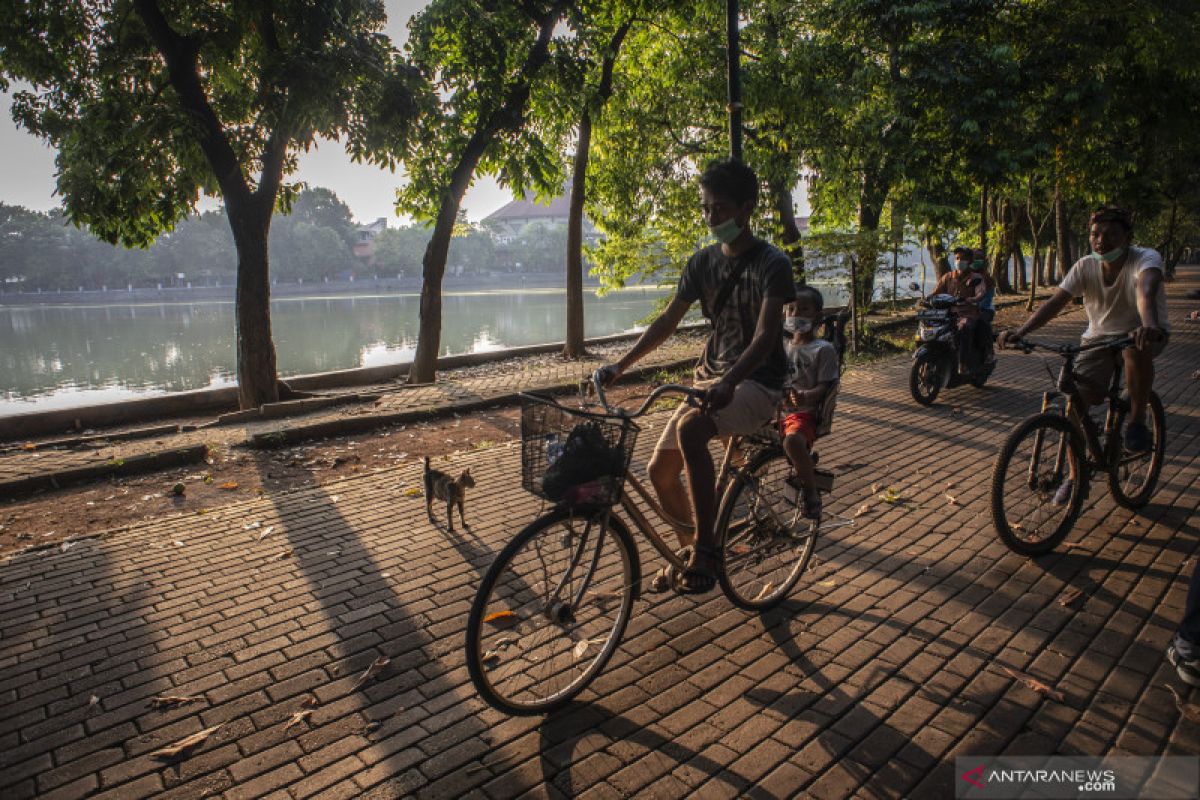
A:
[1033,508]
[551,610]
[765,541]
[1134,476]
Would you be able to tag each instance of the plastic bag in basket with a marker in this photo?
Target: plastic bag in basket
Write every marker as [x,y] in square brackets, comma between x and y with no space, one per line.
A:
[587,456]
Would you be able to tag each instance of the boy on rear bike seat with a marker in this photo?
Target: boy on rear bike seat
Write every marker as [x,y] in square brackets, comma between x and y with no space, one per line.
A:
[808,394]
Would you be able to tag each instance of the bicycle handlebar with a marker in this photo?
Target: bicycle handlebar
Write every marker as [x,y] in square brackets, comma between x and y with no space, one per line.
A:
[1029,345]
[692,395]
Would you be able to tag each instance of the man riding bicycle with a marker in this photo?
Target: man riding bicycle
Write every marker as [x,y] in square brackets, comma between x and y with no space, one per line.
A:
[742,284]
[1123,295]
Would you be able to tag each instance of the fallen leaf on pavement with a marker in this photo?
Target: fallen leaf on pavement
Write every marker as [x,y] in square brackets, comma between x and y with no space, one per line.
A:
[502,619]
[93,701]
[1069,545]
[827,583]
[766,591]
[1035,684]
[865,508]
[581,648]
[266,532]
[376,667]
[171,701]
[309,702]
[285,554]
[1067,598]
[951,499]
[29,446]
[229,486]
[1190,711]
[412,491]
[298,717]
[185,744]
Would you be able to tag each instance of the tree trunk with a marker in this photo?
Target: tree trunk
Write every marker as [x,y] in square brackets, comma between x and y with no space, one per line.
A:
[1061,248]
[870,209]
[507,114]
[574,347]
[1001,253]
[433,268]
[1035,240]
[1020,281]
[854,305]
[937,253]
[791,240]
[733,52]
[252,307]
[983,219]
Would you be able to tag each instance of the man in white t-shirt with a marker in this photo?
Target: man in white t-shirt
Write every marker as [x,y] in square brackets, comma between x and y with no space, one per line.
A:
[1123,295]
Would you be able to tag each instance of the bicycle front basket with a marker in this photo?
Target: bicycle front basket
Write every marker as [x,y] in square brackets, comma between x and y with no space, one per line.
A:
[573,457]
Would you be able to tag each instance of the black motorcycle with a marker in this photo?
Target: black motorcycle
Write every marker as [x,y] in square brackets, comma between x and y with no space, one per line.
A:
[935,361]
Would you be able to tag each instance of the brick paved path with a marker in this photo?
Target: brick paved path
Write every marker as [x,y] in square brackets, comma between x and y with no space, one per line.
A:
[883,666]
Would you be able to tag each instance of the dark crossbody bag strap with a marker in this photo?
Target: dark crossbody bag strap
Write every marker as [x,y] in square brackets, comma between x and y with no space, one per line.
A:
[727,288]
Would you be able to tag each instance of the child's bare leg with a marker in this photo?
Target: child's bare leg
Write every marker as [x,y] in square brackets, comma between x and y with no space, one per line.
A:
[796,448]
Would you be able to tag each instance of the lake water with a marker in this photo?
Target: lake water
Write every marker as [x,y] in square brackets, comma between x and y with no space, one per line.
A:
[66,356]
[73,355]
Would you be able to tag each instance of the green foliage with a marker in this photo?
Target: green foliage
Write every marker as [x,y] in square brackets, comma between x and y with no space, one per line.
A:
[135,148]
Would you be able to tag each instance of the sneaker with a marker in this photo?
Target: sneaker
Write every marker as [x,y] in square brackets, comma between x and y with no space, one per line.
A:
[1184,656]
[1137,437]
[1063,495]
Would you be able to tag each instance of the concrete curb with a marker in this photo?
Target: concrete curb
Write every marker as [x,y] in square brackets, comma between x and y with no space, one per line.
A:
[351,425]
[147,462]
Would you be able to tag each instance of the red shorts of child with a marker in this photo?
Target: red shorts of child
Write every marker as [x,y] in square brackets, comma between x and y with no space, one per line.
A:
[804,422]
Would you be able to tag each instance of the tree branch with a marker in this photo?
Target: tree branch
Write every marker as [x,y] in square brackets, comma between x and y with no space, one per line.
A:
[181,54]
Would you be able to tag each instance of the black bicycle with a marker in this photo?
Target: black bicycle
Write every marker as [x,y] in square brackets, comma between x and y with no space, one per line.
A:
[552,608]
[1044,470]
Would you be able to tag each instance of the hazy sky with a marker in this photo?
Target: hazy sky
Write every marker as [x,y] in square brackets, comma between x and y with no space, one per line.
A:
[27,163]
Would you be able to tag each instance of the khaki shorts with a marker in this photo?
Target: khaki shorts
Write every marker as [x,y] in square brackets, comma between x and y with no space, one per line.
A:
[1094,368]
[753,406]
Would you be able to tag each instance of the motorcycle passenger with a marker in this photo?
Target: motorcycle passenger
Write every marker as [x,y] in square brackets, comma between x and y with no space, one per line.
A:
[982,310]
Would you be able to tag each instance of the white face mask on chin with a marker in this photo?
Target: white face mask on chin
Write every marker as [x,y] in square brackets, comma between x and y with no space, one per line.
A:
[797,324]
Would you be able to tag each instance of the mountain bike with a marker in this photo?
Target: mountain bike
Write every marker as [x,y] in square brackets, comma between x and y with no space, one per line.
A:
[552,608]
[1031,508]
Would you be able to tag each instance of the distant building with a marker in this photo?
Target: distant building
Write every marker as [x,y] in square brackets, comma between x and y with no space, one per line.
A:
[506,222]
[364,248]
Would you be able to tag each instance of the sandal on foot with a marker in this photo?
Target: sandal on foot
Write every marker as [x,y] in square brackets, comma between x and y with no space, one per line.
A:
[700,581]
[666,576]
[812,508]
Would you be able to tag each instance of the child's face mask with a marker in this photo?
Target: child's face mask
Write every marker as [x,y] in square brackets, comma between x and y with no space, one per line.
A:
[797,324]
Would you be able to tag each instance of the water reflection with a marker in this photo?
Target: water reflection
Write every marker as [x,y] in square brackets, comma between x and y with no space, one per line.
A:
[54,357]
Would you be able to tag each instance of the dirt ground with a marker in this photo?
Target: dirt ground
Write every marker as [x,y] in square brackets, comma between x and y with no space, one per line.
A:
[236,473]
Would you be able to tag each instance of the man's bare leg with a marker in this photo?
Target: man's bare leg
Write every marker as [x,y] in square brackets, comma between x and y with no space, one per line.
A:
[666,472]
[695,432]
[1139,377]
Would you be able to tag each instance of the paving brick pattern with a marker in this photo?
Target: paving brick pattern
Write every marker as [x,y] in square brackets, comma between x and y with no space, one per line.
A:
[883,666]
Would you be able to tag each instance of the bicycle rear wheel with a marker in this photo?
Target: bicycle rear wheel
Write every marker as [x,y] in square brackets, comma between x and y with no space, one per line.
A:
[1030,470]
[551,610]
[765,540]
[1134,476]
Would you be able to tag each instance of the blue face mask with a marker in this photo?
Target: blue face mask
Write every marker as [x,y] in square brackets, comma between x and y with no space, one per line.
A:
[961,266]
[727,231]
[1111,255]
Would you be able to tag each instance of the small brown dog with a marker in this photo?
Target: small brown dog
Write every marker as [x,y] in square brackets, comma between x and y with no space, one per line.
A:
[441,486]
